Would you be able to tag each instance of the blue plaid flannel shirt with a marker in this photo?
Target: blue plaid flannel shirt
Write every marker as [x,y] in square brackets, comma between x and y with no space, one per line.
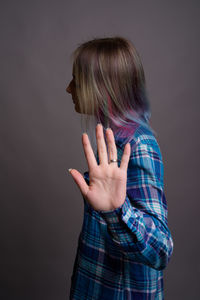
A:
[121,253]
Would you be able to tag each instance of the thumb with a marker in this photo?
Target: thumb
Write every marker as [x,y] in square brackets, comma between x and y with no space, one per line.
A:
[80,181]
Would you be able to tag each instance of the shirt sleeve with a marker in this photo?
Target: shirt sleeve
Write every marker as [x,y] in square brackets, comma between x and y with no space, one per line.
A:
[139,227]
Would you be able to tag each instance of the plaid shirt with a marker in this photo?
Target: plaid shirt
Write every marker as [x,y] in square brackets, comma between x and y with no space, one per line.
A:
[121,253]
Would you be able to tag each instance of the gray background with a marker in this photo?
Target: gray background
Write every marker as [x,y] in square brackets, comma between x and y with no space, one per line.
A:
[41,206]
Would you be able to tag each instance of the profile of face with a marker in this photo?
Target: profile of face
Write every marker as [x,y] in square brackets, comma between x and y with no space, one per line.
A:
[71,89]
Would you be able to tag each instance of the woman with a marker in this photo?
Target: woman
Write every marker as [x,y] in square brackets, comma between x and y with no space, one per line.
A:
[125,242]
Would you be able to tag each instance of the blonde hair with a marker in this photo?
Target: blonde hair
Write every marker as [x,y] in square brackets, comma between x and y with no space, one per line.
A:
[110,85]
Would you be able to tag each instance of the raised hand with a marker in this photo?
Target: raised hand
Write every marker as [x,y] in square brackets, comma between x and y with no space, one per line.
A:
[107,188]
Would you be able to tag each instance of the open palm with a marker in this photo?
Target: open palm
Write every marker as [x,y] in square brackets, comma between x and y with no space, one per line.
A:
[107,186]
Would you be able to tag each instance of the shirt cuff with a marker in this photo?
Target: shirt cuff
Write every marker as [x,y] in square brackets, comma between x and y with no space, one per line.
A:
[125,212]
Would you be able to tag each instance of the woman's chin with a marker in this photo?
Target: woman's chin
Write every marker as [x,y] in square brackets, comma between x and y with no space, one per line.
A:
[76,109]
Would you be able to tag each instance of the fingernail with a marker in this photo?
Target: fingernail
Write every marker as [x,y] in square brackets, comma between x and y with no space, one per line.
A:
[69,170]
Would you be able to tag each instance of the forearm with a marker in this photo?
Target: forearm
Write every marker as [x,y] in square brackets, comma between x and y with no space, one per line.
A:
[141,237]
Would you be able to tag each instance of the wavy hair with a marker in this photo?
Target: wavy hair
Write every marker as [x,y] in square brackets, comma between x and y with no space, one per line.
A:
[110,85]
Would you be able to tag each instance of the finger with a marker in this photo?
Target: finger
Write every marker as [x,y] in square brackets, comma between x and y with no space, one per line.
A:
[101,145]
[125,157]
[112,149]
[80,181]
[89,154]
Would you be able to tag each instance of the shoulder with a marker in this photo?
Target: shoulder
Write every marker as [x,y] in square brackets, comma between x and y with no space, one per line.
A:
[145,139]
[146,156]
[142,137]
